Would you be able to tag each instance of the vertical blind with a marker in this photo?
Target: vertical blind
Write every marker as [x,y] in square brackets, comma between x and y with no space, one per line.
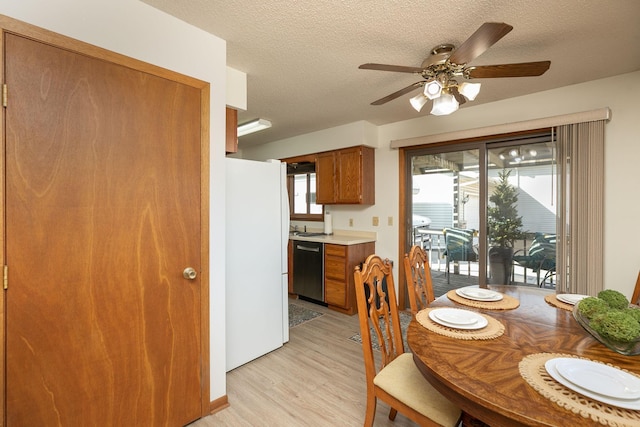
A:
[581,207]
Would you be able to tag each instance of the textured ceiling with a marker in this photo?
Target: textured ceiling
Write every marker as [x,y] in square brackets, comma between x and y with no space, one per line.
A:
[302,57]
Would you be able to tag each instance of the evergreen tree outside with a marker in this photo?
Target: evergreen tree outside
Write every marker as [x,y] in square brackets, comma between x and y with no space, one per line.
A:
[504,224]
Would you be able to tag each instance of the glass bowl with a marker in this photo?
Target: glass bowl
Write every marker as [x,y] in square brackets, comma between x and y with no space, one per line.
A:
[631,348]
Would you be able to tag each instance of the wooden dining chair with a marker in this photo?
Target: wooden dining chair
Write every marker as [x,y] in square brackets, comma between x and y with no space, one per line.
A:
[395,380]
[417,273]
[635,298]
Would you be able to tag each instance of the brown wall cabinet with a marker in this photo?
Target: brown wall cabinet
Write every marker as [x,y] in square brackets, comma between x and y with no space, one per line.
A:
[232,131]
[339,264]
[346,176]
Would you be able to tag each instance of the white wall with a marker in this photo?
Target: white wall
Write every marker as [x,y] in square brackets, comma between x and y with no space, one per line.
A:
[236,89]
[356,133]
[137,30]
[622,151]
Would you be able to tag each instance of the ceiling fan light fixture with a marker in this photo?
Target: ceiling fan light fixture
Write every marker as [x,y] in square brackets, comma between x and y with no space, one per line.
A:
[433,89]
[469,90]
[418,101]
[444,104]
[446,63]
[253,126]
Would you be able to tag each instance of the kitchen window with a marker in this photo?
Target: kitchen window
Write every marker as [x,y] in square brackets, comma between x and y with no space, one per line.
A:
[301,185]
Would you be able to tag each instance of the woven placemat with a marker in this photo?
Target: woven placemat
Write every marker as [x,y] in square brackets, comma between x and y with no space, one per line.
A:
[534,373]
[506,303]
[493,330]
[552,300]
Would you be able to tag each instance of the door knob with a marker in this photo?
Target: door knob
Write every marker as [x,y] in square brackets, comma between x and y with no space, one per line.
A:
[189,273]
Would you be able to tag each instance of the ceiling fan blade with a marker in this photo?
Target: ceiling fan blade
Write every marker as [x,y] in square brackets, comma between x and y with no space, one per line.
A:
[525,69]
[385,67]
[481,40]
[457,95]
[398,93]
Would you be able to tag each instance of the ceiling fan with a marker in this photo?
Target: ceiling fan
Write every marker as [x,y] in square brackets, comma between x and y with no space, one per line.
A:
[446,63]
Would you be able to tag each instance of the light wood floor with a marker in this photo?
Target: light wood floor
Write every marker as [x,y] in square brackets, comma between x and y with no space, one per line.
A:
[317,379]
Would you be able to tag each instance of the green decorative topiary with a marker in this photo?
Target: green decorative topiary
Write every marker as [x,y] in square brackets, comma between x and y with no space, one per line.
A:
[616,325]
[614,298]
[611,320]
[591,307]
[633,312]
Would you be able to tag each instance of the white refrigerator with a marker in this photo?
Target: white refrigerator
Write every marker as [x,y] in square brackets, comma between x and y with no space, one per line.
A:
[257,233]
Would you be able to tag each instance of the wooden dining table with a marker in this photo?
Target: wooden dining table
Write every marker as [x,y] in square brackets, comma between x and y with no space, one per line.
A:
[483,377]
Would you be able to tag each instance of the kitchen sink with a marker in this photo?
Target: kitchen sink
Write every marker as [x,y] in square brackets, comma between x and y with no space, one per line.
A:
[305,234]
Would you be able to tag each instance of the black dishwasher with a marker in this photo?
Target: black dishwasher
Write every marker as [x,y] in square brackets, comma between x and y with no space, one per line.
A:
[308,269]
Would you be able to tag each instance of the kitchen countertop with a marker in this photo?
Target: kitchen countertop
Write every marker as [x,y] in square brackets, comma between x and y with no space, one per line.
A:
[339,237]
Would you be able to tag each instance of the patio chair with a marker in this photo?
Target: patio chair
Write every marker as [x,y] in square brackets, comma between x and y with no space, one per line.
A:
[541,256]
[396,380]
[459,247]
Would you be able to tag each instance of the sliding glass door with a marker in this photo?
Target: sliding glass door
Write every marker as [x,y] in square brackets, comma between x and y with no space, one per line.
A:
[444,207]
[522,211]
[484,211]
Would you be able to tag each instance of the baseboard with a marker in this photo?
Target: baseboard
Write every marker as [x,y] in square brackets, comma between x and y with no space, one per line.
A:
[219,404]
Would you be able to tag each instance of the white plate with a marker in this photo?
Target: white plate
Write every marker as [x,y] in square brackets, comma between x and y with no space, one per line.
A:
[479,294]
[572,299]
[478,323]
[456,316]
[550,366]
[599,378]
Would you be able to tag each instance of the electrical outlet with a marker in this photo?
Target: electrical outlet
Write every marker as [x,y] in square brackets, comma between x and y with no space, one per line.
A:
[350,222]
[376,221]
[390,220]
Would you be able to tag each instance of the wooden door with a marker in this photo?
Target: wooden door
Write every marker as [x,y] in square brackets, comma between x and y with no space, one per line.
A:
[103,200]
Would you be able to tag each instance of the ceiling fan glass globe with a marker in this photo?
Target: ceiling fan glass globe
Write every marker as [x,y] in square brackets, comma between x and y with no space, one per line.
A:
[444,104]
[418,101]
[433,89]
[469,90]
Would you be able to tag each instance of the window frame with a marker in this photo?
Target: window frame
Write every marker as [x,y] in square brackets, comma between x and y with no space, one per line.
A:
[290,188]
